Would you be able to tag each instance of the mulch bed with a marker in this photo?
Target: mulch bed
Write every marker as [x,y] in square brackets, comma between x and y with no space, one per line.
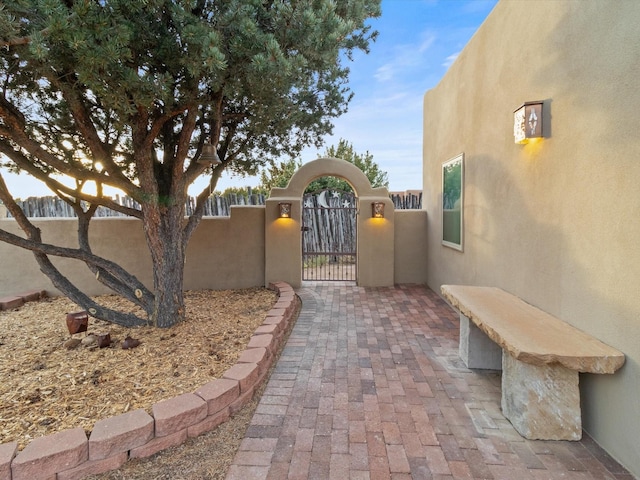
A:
[49,387]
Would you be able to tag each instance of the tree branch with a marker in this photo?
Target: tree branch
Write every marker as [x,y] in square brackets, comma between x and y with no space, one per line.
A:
[140,296]
[15,41]
[58,188]
[41,250]
[14,129]
[85,125]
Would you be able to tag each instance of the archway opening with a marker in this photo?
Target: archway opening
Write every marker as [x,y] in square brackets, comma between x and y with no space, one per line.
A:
[375,236]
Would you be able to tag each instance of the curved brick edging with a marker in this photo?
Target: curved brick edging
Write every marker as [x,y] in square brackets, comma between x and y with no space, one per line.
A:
[69,455]
[16,301]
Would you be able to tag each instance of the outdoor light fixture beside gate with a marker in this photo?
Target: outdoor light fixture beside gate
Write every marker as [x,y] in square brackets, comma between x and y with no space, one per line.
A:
[377,210]
[527,122]
[209,155]
[285,209]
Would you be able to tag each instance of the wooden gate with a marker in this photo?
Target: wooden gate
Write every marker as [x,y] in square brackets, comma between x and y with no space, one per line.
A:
[329,234]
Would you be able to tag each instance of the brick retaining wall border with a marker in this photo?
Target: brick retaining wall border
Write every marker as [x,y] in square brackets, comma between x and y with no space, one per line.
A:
[70,455]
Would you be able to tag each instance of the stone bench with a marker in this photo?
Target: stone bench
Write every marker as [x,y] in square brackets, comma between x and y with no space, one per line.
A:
[540,357]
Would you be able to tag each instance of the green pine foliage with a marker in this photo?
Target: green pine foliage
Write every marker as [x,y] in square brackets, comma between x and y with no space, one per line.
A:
[345,151]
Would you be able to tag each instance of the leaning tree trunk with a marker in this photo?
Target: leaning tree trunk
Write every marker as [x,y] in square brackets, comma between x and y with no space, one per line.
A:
[164,232]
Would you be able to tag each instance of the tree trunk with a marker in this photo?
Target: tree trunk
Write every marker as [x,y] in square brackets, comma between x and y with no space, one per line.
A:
[164,234]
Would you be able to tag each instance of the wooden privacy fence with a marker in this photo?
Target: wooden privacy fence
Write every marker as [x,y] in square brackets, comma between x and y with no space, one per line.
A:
[407,200]
[217,205]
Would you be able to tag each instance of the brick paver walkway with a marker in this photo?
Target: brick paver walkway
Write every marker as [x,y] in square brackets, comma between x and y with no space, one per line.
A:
[370,386]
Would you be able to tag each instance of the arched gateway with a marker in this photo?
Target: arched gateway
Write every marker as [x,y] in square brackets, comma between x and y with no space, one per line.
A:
[283,236]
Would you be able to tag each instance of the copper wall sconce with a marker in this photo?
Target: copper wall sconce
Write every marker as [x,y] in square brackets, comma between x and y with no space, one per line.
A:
[284,209]
[527,122]
[377,210]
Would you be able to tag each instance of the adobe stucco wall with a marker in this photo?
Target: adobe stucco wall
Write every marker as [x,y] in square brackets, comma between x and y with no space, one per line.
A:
[555,222]
[224,253]
[410,252]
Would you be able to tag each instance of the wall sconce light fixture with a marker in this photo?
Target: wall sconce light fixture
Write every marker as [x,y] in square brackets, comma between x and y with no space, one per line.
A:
[377,210]
[284,209]
[527,122]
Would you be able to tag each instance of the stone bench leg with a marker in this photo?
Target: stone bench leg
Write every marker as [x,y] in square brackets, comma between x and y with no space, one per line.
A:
[541,402]
[477,350]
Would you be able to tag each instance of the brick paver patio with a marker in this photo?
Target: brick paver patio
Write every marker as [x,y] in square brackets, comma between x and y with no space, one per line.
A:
[370,386]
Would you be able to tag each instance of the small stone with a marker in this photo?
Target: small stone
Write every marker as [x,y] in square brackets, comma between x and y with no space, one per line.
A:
[72,343]
[77,322]
[130,343]
[104,340]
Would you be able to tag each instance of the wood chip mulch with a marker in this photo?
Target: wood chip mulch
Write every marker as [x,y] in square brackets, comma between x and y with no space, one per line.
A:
[47,387]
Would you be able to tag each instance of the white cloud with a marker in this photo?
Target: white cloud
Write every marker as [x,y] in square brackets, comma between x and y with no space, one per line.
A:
[406,57]
[385,72]
[428,39]
[450,59]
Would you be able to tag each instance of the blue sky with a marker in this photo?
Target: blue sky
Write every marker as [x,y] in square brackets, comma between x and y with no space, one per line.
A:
[418,41]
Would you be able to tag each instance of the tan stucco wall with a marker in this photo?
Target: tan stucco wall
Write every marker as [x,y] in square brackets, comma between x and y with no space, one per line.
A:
[410,250]
[224,252]
[228,252]
[555,222]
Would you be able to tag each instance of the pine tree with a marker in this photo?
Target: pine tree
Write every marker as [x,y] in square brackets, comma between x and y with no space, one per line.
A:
[126,93]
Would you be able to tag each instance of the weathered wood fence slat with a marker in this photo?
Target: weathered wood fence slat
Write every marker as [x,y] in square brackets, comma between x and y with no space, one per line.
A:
[407,201]
[216,205]
[329,228]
